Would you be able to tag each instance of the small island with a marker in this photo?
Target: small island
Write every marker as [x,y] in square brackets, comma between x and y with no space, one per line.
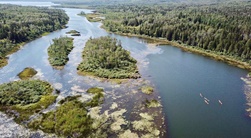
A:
[27,73]
[24,98]
[92,17]
[104,57]
[58,52]
[73,33]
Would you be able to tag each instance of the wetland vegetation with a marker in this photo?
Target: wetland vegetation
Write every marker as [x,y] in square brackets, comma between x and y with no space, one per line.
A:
[25,97]
[92,17]
[73,33]
[27,73]
[70,119]
[104,57]
[59,50]
[20,24]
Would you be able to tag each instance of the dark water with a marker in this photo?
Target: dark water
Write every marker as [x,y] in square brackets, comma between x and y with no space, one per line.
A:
[178,76]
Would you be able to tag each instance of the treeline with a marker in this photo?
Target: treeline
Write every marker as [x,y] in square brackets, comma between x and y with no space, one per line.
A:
[21,24]
[59,50]
[223,28]
[104,57]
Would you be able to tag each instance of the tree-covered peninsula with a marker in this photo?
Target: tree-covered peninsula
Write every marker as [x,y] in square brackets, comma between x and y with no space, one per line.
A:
[20,24]
[25,97]
[59,50]
[222,29]
[104,57]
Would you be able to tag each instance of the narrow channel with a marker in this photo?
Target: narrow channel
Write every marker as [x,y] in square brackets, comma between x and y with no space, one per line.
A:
[178,76]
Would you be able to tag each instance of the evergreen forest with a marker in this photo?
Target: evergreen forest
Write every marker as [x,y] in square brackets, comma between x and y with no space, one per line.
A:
[20,24]
[224,29]
[104,57]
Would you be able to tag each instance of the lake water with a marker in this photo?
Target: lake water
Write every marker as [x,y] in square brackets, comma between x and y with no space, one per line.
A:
[179,77]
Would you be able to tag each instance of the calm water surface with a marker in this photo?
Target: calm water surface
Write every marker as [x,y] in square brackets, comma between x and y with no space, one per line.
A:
[179,77]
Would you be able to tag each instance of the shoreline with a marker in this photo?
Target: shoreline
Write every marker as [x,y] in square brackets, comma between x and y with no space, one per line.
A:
[4,61]
[210,54]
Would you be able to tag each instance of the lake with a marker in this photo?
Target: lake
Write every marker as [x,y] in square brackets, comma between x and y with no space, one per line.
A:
[179,77]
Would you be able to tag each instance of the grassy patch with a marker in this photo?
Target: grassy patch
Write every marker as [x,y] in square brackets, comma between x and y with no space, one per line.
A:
[152,103]
[24,98]
[147,89]
[27,73]
[97,98]
[93,17]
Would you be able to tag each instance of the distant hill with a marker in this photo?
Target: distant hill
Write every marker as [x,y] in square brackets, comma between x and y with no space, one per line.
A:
[100,2]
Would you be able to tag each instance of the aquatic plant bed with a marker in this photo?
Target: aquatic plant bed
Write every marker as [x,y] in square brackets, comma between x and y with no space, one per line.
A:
[59,50]
[104,57]
[27,73]
[25,98]
[247,90]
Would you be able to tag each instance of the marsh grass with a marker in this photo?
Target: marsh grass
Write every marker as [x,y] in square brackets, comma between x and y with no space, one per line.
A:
[27,73]
[147,89]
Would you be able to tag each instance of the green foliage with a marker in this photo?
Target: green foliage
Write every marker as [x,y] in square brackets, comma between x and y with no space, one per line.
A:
[70,119]
[27,73]
[104,57]
[59,50]
[24,98]
[93,17]
[95,90]
[25,111]
[97,98]
[23,92]
[147,89]
[21,24]
[152,103]
[73,33]
[223,28]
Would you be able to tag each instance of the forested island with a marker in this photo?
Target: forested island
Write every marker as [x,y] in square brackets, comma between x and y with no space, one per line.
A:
[20,24]
[104,57]
[221,29]
[59,50]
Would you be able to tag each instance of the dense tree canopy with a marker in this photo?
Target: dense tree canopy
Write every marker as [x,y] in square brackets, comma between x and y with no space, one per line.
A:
[104,57]
[59,50]
[21,24]
[224,28]
[23,92]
